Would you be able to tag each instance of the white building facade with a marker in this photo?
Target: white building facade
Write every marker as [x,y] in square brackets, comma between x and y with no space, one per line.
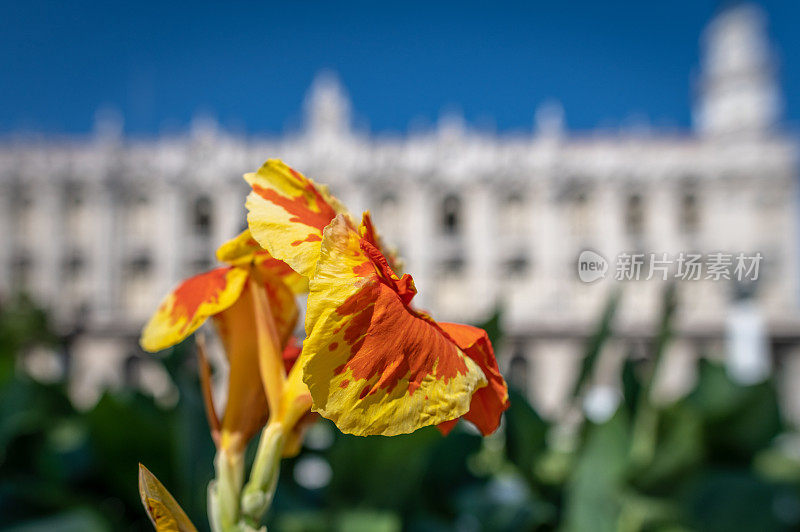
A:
[99,229]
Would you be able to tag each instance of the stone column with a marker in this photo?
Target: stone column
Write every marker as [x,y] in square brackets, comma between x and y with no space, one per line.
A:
[169,245]
[7,232]
[105,263]
[549,258]
[420,234]
[356,196]
[481,237]
[610,212]
[610,201]
[48,220]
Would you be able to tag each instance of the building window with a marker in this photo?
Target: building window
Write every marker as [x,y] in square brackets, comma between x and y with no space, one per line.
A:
[634,215]
[388,202]
[73,265]
[201,216]
[453,265]
[579,205]
[73,195]
[200,265]
[387,213]
[451,214]
[131,370]
[690,212]
[21,267]
[513,213]
[517,266]
[518,371]
[139,266]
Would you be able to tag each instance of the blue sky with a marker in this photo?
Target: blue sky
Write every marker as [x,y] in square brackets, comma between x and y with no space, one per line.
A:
[250,63]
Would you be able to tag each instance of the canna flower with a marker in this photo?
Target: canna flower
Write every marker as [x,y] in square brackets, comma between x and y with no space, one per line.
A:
[252,302]
[372,362]
[226,294]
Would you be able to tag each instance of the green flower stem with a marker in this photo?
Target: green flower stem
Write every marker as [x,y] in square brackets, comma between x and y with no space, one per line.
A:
[224,491]
[213,507]
[260,489]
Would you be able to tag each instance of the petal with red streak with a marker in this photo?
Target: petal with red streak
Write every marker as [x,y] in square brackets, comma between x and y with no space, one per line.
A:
[243,250]
[287,213]
[372,364]
[185,309]
[488,403]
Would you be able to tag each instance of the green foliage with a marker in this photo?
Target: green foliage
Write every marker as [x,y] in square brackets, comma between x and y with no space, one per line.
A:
[712,460]
[62,469]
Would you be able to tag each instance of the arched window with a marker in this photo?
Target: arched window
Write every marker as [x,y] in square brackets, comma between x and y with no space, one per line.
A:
[130,370]
[140,266]
[513,213]
[517,265]
[518,370]
[388,202]
[581,219]
[387,213]
[634,215]
[451,214]
[690,212]
[202,216]
[74,265]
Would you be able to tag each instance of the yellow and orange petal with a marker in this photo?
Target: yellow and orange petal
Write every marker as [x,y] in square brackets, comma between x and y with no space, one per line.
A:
[287,213]
[243,250]
[185,309]
[246,410]
[163,510]
[488,403]
[294,439]
[372,364]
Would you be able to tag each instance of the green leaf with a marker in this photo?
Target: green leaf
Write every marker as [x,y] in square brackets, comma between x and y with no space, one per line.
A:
[525,433]
[739,420]
[78,520]
[679,451]
[596,343]
[593,491]
[739,500]
[368,521]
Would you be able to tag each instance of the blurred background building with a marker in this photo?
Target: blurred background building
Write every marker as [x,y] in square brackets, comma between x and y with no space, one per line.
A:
[100,228]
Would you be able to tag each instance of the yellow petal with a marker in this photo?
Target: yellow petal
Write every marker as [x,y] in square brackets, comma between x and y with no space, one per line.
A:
[287,213]
[296,399]
[243,250]
[185,309]
[294,439]
[161,507]
[374,365]
[239,250]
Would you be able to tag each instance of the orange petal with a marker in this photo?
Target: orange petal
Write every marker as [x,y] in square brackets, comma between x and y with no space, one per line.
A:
[246,410]
[372,364]
[185,309]
[274,267]
[488,403]
[290,353]
[287,213]
[294,440]
[205,385]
